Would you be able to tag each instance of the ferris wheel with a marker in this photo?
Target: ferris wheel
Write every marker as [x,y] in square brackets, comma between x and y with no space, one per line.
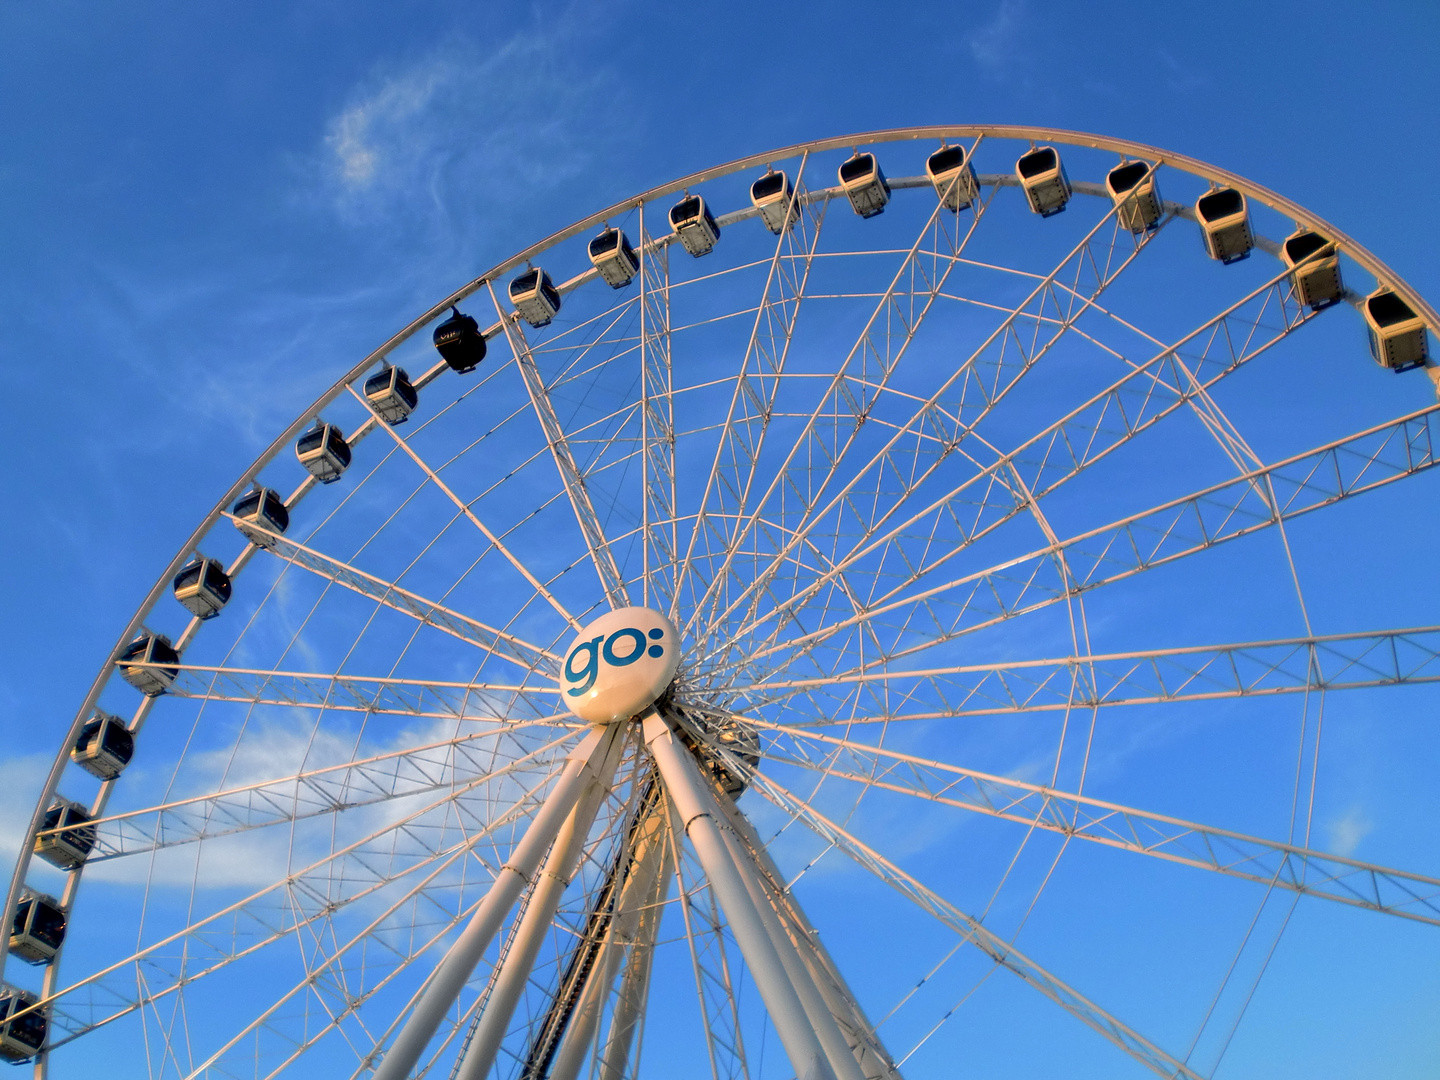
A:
[930,600]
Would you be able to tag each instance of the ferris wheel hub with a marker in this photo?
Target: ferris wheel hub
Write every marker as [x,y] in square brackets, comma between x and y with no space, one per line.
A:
[619,664]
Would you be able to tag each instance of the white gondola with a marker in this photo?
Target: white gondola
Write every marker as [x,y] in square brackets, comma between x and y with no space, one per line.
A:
[38,929]
[68,847]
[20,1038]
[1397,334]
[1224,217]
[202,587]
[459,342]
[1042,176]
[771,195]
[695,225]
[1132,187]
[391,395]
[148,648]
[323,452]
[104,746]
[260,509]
[613,258]
[535,297]
[864,184]
[1314,266]
[953,177]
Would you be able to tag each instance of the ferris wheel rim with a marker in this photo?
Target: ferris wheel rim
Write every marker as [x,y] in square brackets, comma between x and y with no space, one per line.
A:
[873,138]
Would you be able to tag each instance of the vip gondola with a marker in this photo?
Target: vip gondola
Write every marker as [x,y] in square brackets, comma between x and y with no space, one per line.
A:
[261,509]
[1314,268]
[148,648]
[953,177]
[1224,217]
[864,184]
[1132,187]
[66,834]
[202,587]
[771,194]
[391,395]
[324,452]
[459,342]
[104,746]
[613,258]
[694,225]
[21,1038]
[1042,176]
[38,929]
[1397,334]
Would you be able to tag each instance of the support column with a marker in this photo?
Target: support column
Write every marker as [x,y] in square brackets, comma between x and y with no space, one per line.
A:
[550,886]
[459,962]
[699,816]
[635,982]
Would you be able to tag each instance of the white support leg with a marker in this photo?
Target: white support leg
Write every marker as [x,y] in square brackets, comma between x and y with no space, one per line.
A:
[700,818]
[550,886]
[635,982]
[459,963]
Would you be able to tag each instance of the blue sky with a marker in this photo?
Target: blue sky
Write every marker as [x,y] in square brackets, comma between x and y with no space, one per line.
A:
[209,214]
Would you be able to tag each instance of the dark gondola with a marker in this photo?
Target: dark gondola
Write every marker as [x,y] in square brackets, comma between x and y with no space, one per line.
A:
[771,195]
[104,746]
[23,1037]
[535,297]
[864,183]
[148,648]
[1314,268]
[459,342]
[695,225]
[38,929]
[1042,175]
[1397,333]
[953,177]
[202,587]
[324,452]
[1224,217]
[261,509]
[1137,199]
[391,395]
[613,258]
[70,846]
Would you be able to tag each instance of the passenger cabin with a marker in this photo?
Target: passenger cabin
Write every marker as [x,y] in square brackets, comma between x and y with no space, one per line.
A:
[459,342]
[864,184]
[391,395]
[1042,176]
[771,195]
[1397,334]
[1137,199]
[38,929]
[1224,218]
[952,174]
[695,225]
[613,258]
[202,587]
[148,648]
[104,746]
[324,452]
[260,509]
[1314,266]
[21,1038]
[535,297]
[66,835]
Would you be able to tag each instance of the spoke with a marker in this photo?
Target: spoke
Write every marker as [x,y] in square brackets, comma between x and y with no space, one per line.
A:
[1252,858]
[1000,951]
[500,642]
[657,426]
[1339,470]
[486,755]
[363,693]
[570,473]
[469,513]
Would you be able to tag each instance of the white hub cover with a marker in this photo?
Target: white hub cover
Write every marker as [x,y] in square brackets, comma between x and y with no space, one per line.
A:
[619,664]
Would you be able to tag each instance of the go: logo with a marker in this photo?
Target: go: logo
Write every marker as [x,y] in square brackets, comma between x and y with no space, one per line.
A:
[593,652]
[619,665]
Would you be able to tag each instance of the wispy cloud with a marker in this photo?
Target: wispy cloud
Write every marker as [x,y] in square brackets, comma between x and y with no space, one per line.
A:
[1345,833]
[996,44]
